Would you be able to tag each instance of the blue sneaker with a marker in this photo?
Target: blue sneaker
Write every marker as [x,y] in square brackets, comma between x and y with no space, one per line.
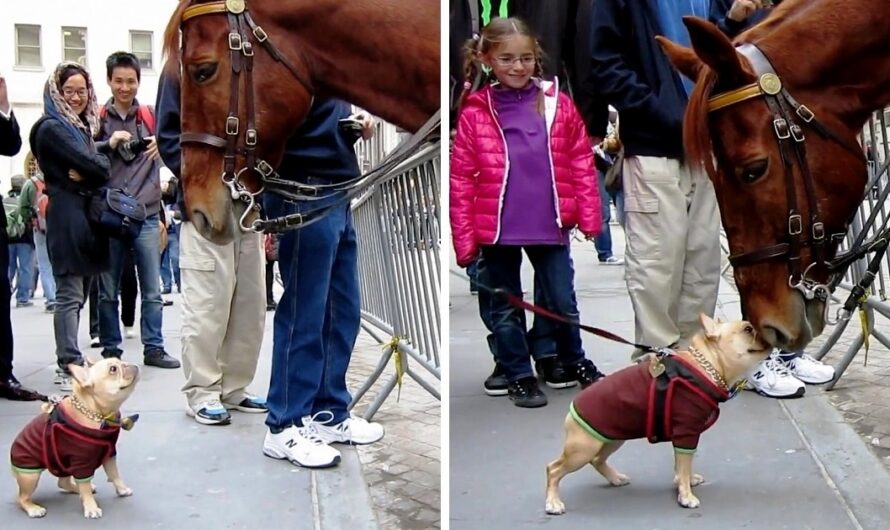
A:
[210,413]
[250,403]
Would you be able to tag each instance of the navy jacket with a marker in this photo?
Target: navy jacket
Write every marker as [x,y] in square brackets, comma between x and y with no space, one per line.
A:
[10,136]
[168,132]
[629,70]
[319,148]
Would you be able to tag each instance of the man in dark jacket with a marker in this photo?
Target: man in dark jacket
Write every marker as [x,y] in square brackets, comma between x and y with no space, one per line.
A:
[10,143]
[317,320]
[672,227]
[130,145]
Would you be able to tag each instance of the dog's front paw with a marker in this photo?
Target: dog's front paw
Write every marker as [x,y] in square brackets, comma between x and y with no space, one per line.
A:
[35,511]
[555,507]
[123,490]
[688,501]
[619,479]
[92,512]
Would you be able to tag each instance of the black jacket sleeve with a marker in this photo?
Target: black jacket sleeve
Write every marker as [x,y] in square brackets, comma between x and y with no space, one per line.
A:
[10,136]
[169,128]
[55,142]
[592,106]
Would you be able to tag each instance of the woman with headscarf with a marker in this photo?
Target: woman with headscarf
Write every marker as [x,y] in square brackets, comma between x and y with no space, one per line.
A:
[62,140]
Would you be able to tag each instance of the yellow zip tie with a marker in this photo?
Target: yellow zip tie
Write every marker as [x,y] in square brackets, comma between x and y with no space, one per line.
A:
[863,322]
[393,346]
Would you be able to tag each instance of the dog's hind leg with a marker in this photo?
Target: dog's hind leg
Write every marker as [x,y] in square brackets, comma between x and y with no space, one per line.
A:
[614,477]
[580,448]
[67,484]
[27,484]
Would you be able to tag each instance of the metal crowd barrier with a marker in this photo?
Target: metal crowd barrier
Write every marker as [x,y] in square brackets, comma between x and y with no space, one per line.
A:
[397,224]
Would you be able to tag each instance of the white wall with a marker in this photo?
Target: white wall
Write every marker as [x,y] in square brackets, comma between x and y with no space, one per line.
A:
[108,24]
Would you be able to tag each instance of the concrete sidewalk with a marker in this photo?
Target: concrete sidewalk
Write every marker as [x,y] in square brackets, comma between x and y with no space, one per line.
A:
[187,475]
[767,463]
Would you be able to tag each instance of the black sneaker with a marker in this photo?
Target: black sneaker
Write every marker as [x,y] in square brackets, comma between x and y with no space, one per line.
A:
[112,352]
[496,384]
[210,413]
[554,373]
[159,358]
[587,373]
[526,393]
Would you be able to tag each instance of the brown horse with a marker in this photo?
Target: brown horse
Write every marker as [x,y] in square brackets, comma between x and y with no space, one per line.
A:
[776,131]
[381,56]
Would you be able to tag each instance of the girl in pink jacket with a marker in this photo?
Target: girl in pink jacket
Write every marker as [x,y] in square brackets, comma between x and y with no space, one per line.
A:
[521,177]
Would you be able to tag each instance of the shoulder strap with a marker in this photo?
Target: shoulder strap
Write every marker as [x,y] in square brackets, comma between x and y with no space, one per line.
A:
[146,115]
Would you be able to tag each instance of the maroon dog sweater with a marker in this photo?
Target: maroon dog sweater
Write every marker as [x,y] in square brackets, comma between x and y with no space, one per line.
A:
[57,443]
[676,406]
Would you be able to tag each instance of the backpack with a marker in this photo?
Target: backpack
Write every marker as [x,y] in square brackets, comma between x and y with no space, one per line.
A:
[15,225]
[41,204]
[144,115]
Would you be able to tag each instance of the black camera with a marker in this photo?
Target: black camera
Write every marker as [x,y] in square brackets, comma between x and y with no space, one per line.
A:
[131,149]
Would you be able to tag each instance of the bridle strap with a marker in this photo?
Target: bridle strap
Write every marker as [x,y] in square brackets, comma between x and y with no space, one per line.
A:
[204,9]
[263,39]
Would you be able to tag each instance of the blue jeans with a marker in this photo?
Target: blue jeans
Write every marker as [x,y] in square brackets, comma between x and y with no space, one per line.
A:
[553,269]
[21,260]
[317,320]
[147,256]
[45,268]
[603,242]
[170,260]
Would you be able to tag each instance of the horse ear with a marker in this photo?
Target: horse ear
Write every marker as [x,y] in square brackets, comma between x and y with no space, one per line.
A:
[715,49]
[684,59]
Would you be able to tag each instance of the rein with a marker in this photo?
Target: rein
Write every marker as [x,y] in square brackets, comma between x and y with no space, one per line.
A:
[243,31]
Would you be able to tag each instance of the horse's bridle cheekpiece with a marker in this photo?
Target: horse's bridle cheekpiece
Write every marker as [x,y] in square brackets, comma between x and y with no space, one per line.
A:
[789,135]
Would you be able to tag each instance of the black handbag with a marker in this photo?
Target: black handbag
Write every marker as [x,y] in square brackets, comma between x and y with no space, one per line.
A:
[116,214]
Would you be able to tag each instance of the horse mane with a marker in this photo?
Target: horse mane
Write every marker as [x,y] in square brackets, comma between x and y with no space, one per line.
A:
[170,51]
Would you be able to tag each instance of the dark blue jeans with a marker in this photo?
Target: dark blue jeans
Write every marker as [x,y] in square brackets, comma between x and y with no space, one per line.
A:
[317,320]
[554,272]
[170,261]
[603,242]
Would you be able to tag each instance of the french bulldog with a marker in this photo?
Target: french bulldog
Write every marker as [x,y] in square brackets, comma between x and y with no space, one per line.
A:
[674,397]
[73,436]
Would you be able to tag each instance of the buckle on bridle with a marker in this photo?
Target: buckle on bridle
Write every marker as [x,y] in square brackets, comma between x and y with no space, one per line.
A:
[805,113]
[263,168]
[795,225]
[250,137]
[797,133]
[232,123]
[780,125]
[247,49]
[818,231]
[260,34]
[235,42]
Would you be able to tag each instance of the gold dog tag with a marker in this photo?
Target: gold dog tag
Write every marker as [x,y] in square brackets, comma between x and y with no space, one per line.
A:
[656,368]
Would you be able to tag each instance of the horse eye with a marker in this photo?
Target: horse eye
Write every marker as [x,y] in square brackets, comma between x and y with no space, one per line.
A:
[753,171]
[203,72]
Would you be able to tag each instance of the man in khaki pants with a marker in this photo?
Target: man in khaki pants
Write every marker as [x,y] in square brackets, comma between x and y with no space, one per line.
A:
[224,301]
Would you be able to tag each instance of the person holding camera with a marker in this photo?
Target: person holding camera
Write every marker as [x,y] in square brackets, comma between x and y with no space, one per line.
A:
[127,137]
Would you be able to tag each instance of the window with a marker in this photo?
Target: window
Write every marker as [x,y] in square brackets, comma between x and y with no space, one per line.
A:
[140,45]
[74,45]
[27,45]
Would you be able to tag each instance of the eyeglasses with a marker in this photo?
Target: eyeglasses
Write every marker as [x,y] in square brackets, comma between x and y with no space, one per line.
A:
[507,61]
[70,92]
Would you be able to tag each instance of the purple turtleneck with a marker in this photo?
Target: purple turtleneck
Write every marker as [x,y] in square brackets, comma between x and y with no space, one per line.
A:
[528,216]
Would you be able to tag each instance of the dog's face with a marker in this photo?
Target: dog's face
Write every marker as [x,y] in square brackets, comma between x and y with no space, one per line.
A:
[736,345]
[106,383]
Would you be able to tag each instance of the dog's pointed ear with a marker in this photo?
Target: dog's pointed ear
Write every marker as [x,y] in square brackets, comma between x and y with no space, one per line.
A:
[89,361]
[684,59]
[80,374]
[710,326]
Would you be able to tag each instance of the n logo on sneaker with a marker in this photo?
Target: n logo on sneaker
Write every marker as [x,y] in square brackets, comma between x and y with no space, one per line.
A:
[291,443]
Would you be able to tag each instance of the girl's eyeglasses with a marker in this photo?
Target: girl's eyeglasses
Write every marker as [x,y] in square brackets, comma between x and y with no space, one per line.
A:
[81,93]
[506,61]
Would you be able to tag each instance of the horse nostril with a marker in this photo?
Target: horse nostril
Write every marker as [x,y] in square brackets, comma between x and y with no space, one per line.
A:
[774,336]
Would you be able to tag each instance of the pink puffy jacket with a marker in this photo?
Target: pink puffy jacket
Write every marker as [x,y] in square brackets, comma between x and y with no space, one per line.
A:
[479,171]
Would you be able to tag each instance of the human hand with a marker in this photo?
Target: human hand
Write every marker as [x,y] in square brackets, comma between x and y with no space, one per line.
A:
[594,140]
[4,96]
[152,149]
[367,122]
[117,137]
[74,175]
[742,9]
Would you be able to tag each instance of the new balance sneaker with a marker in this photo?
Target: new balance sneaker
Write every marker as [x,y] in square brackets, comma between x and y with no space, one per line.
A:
[587,373]
[526,393]
[63,379]
[354,430]
[809,370]
[554,373]
[210,413]
[301,446]
[772,378]
[496,384]
[250,403]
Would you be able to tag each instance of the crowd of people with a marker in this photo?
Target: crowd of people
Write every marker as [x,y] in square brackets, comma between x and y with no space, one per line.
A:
[537,155]
[79,149]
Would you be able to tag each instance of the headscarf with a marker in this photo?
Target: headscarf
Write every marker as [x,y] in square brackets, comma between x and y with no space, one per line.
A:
[54,104]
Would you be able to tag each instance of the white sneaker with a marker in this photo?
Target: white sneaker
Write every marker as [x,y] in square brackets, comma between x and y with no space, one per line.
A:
[301,446]
[773,379]
[95,342]
[809,370]
[129,332]
[63,380]
[353,430]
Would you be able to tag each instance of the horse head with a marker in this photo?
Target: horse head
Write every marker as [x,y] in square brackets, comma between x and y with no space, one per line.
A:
[787,170]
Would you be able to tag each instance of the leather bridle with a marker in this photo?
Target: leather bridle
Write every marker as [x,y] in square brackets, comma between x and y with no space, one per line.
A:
[241,29]
[787,112]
